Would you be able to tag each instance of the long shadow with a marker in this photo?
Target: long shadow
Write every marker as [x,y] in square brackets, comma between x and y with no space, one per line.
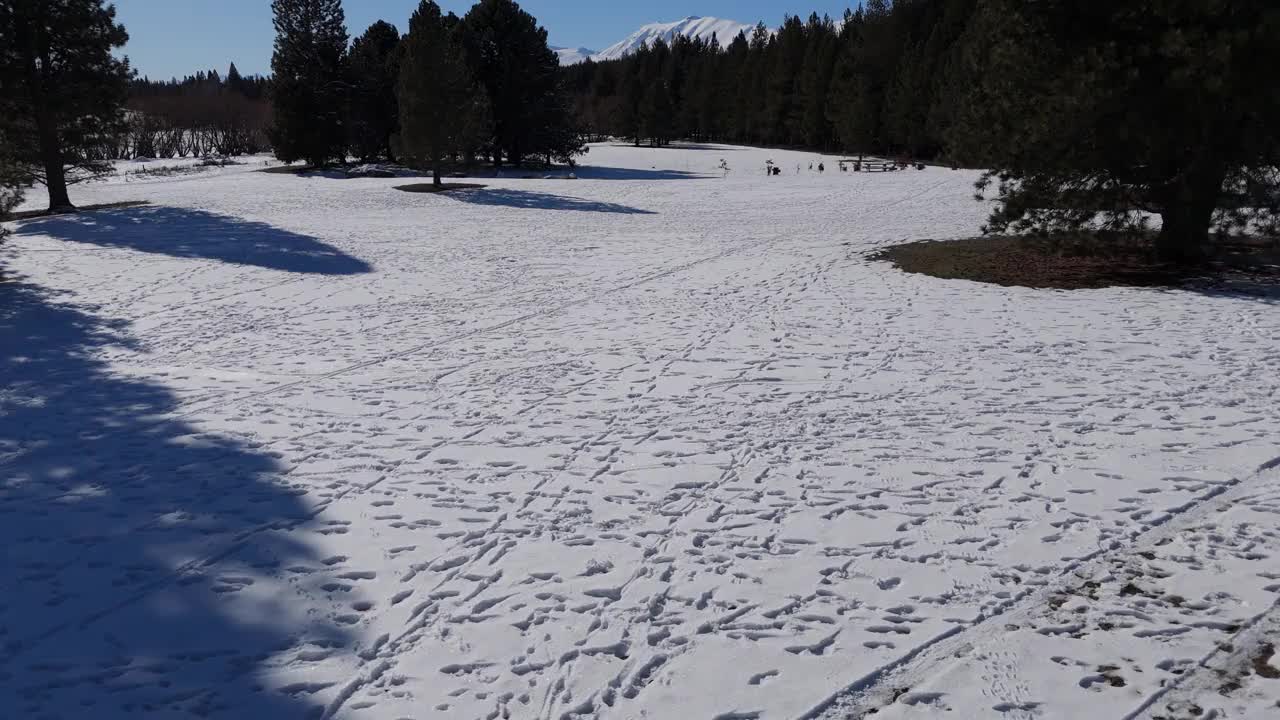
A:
[1265,290]
[542,201]
[186,233]
[678,146]
[598,172]
[107,510]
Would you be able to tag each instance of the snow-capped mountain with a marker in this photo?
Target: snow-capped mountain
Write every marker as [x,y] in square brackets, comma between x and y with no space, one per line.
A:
[572,56]
[691,27]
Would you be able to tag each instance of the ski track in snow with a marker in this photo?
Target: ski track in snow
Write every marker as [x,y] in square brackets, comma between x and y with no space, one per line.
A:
[649,444]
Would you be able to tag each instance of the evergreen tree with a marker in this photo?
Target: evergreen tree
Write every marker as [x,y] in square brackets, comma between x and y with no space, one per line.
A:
[234,82]
[62,90]
[509,55]
[814,83]
[781,116]
[441,109]
[656,115]
[308,87]
[884,81]
[374,69]
[1109,112]
[11,181]
[862,78]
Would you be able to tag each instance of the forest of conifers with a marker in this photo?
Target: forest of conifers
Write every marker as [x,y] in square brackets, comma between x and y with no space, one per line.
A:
[882,79]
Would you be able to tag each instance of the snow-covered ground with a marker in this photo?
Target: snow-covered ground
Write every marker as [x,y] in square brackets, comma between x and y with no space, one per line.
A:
[653,443]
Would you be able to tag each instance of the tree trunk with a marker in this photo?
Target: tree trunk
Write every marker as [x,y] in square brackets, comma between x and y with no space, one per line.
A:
[55,173]
[46,122]
[1188,215]
[1185,233]
[435,176]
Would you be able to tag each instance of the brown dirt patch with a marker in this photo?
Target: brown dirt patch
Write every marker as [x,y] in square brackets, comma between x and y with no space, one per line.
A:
[1262,663]
[1081,262]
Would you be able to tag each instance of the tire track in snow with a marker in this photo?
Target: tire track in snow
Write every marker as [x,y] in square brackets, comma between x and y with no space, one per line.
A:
[400,354]
[876,690]
[408,352]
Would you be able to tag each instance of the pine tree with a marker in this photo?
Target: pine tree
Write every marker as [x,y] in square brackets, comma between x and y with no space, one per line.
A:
[234,82]
[308,87]
[508,53]
[862,77]
[62,91]
[656,115]
[1110,112]
[814,83]
[782,113]
[441,109]
[11,180]
[373,70]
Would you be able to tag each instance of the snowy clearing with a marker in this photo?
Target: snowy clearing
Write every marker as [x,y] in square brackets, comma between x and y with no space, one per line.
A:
[653,443]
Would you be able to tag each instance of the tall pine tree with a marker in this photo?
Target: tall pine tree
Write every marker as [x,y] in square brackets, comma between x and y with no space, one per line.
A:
[508,52]
[373,69]
[11,181]
[308,87]
[62,91]
[442,111]
[1108,113]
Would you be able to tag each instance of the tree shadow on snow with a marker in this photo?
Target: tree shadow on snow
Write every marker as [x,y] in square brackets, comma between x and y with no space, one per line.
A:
[542,201]
[597,172]
[187,233]
[112,515]
[1260,290]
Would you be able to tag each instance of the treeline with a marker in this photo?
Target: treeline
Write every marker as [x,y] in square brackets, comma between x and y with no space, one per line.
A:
[453,90]
[199,115]
[884,79]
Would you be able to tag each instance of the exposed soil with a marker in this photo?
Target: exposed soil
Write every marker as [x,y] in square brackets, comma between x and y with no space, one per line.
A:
[1082,262]
[1262,663]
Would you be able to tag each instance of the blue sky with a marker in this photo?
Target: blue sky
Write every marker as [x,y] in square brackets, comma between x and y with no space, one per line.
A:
[177,37]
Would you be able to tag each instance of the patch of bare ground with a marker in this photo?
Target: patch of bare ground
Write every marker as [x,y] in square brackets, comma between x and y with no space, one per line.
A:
[1262,663]
[1084,261]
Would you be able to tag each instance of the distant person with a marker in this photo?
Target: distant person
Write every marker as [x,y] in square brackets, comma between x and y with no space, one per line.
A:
[822,167]
[724,167]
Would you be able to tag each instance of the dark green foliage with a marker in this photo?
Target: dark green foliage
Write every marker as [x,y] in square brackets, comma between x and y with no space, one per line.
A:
[11,181]
[656,121]
[508,53]
[1109,113]
[876,82]
[308,84]
[373,68]
[442,111]
[61,89]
